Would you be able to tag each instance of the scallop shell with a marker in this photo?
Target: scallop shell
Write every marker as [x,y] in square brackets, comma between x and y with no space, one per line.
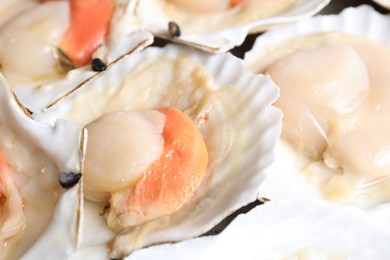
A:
[124,38]
[154,17]
[239,125]
[362,21]
[36,163]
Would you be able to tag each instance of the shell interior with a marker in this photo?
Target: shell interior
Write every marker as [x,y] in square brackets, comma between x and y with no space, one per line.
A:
[62,234]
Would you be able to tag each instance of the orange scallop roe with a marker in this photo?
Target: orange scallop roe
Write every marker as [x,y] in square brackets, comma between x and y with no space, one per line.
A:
[235,2]
[89,25]
[170,181]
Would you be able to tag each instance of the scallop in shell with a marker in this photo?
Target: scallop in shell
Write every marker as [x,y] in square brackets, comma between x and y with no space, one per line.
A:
[31,196]
[217,26]
[230,106]
[341,164]
[38,35]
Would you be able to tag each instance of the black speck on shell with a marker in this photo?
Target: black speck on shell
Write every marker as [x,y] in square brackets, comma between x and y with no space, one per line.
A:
[69,179]
[98,65]
[173,30]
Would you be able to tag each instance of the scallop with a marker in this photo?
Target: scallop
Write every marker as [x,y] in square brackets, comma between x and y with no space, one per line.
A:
[230,108]
[218,26]
[339,150]
[37,34]
[33,204]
